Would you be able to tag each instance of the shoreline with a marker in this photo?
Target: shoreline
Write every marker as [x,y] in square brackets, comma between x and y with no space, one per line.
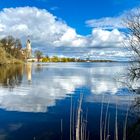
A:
[94,61]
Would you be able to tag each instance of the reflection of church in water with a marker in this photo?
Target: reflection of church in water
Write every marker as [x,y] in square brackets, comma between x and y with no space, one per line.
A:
[28,69]
[28,66]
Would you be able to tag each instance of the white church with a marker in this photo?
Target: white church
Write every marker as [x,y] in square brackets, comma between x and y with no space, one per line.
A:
[27,52]
[28,49]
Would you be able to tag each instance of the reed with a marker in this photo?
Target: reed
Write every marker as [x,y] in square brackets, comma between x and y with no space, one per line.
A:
[108,128]
[125,124]
[61,129]
[116,124]
[78,125]
[105,125]
[79,120]
[101,120]
[71,120]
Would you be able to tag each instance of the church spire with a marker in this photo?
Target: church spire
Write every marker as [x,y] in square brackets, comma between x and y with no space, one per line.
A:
[28,48]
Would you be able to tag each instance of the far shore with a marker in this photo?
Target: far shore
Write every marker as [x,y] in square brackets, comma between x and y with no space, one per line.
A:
[56,59]
[61,61]
[14,62]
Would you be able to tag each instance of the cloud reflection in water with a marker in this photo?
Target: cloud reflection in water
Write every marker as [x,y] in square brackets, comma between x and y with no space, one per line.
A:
[56,81]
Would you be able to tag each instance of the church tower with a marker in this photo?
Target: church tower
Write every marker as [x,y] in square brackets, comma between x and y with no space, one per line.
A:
[28,49]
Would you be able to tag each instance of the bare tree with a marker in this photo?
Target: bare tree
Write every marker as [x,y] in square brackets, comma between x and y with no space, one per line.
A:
[132,24]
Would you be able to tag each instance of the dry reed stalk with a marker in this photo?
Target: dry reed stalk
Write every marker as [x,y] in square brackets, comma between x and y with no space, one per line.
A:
[88,135]
[116,124]
[61,129]
[81,127]
[101,120]
[125,124]
[79,119]
[108,127]
[71,120]
[85,132]
[105,125]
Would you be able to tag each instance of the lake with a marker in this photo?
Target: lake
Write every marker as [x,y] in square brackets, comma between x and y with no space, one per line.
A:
[50,101]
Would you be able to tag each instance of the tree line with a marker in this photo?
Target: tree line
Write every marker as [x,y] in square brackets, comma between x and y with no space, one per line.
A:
[12,46]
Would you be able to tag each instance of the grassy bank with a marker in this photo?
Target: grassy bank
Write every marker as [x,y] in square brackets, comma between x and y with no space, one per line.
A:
[6,58]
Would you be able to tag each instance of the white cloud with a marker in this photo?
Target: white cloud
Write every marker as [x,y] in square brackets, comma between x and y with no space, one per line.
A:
[70,38]
[101,37]
[43,27]
[106,23]
[49,33]
[116,22]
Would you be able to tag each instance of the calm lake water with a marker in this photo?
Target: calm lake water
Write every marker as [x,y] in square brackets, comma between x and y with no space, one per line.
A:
[35,100]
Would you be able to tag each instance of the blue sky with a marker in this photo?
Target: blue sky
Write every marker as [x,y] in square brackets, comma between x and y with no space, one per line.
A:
[76,28]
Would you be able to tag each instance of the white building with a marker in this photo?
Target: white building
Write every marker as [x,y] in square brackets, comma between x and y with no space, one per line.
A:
[28,49]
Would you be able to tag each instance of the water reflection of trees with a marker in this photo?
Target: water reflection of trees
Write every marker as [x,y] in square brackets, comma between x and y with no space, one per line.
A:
[135,71]
[134,77]
[11,75]
[133,80]
[136,106]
